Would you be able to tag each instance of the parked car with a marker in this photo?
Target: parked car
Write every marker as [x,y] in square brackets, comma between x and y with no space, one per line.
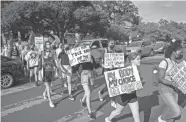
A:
[98,47]
[12,70]
[159,47]
[145,48]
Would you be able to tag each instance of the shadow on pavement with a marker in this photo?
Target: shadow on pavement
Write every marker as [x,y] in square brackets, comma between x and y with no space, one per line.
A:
[22,81]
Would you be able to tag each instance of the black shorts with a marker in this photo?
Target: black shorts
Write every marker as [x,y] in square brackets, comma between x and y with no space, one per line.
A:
[32,67]
[24,62]
[48,76]
[124,99]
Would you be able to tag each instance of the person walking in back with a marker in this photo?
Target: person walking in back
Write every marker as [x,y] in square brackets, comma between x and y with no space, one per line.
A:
[168,88]
[66,70]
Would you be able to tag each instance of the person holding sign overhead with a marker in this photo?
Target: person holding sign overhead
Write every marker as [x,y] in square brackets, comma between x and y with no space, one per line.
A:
[127,98]
[167,86]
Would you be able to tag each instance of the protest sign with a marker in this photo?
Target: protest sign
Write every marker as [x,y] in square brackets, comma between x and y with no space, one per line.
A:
[124,80]
[178,74]
[114,60]
[79,55]
[39,43]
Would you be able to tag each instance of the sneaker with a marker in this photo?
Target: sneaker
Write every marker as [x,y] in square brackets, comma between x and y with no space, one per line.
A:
[44,96]
[51,105]
[113,104]
[160,120]
[71,97]
[100,96]
[65,85]
[107,120]
[91,116]
[83,104]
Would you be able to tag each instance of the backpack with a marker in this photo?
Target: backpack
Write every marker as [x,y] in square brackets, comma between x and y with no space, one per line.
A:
[156,74]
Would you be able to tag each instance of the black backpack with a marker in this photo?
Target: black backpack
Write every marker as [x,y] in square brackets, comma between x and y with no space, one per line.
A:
[155,73]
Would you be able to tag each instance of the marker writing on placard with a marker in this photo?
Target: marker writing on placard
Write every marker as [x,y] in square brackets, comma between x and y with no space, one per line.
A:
[112,79]
[126,72]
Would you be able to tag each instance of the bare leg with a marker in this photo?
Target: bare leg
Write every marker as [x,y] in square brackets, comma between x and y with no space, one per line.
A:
[134,107]
[48,94]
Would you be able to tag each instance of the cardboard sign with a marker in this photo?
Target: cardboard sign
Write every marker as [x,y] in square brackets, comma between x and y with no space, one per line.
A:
[178,74]
[79,55]
[114,60]
[124,80]
[39,43]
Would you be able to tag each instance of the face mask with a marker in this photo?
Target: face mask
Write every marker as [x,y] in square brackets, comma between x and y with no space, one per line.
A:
[179,57]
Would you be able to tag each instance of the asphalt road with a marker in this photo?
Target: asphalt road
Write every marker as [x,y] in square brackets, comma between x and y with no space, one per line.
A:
[25,103]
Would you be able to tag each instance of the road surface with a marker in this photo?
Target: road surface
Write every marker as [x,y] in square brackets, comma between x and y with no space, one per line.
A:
[25,103]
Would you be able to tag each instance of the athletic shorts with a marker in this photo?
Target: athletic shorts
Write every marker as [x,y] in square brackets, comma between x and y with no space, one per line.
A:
[48,76]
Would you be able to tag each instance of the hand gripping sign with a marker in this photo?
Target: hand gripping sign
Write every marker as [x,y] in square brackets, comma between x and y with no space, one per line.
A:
[178,74]
[79,55]
[124,80]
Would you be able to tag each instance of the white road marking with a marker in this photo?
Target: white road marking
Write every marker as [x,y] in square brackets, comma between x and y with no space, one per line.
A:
[5,110]
[26,87]
[79,116]
[17,89]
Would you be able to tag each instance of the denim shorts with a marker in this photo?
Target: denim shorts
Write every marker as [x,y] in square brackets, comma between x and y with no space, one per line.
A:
[85,76]
[163,89]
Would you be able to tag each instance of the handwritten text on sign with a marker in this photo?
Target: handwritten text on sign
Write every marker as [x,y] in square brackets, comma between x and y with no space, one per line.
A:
[114,60]
[39,43]
[124,80]
[79,55]
[178,74]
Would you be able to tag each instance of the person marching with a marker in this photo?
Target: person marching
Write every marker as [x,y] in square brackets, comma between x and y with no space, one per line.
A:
[23,55]
[167,87]
[66,70]
[124,99]
[85,70]
[48,65]
[14,52]
[32,59]
[110,49]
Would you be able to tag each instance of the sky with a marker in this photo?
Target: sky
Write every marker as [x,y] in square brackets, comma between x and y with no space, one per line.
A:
[153,11]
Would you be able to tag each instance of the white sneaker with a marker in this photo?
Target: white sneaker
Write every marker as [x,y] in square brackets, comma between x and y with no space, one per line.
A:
[107,120]
[44,96]
[113,104]
[51,105]
[100,96]
[160,120]
[65,85]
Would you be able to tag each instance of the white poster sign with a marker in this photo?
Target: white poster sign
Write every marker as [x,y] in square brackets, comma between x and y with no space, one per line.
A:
[178,74]
[124,80]
[79,55]
[114,60]
[39,43]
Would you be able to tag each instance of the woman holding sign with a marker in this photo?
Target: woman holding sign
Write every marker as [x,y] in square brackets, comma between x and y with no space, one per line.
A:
[167,87]
[130,99]
[110,49]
